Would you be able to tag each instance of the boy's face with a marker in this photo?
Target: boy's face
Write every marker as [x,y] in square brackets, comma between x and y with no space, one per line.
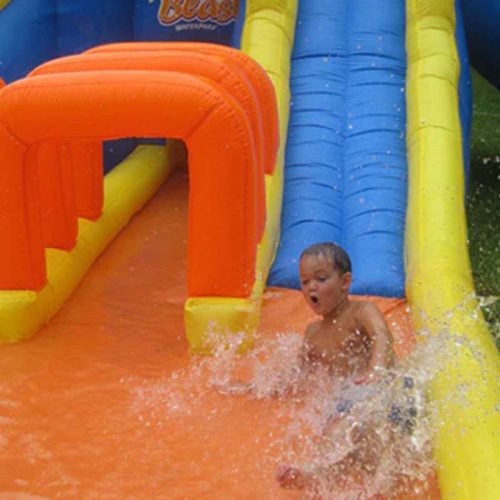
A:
[323,287]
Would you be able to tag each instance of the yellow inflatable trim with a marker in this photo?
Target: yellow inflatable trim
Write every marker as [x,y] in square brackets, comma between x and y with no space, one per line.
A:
[268,38]
[4,3]
[439,281]
[22,313]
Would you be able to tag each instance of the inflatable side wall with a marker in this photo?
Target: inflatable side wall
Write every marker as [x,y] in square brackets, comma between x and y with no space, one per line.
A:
[438,276]
[46,29]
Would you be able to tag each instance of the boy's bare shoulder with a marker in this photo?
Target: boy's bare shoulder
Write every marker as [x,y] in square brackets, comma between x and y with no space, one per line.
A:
[366,307]
[367,312]
[369,317]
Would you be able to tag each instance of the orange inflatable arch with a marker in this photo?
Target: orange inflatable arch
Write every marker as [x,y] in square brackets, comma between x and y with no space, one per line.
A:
[59,212]
[204,115]
[256,74]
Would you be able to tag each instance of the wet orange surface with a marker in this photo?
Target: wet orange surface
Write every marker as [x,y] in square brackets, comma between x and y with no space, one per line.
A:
[104,402]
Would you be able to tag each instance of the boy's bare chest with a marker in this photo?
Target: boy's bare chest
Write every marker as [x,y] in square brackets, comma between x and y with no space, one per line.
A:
[341,347]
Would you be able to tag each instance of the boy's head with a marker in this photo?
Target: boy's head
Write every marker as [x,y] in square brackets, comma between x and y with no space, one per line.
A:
[334,254]
[325,277]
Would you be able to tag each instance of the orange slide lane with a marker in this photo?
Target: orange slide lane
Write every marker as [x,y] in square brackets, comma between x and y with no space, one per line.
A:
[86,406]
[102,402]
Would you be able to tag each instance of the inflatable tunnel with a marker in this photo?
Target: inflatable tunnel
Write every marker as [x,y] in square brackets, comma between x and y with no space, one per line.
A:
[300,122]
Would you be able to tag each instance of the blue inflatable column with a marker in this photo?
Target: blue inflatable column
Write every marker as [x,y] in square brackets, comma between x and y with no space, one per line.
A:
[375,170]
[312,200]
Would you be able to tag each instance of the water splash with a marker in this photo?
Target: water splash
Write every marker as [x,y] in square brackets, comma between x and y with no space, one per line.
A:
[395,413]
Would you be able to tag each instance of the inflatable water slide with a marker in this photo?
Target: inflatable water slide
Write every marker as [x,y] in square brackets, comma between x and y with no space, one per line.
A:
[299,122]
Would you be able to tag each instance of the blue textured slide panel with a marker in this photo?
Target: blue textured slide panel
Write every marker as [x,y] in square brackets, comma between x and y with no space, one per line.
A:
[84,24]
[28,36]
[345,170]
[464,89]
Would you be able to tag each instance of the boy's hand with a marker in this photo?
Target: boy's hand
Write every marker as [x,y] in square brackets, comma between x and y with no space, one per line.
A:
[373,324]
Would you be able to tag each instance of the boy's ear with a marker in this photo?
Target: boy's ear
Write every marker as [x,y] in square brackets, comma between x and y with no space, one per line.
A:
[346,281]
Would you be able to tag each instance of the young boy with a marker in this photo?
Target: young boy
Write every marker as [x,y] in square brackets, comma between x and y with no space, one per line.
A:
[352,341]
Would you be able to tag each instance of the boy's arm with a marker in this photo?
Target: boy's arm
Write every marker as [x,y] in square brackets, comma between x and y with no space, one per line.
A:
[381,354]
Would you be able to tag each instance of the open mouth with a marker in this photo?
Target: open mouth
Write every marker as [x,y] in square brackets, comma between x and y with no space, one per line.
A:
[314,299]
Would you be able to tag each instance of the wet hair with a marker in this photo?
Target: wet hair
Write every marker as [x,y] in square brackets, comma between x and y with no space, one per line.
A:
[337,255]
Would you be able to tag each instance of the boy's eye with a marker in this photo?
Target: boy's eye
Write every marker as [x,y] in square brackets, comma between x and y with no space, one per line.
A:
[321,278]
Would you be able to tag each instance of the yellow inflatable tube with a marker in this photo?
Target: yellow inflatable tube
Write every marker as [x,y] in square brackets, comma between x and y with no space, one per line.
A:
[439,281]
[265,21]
[23,312]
